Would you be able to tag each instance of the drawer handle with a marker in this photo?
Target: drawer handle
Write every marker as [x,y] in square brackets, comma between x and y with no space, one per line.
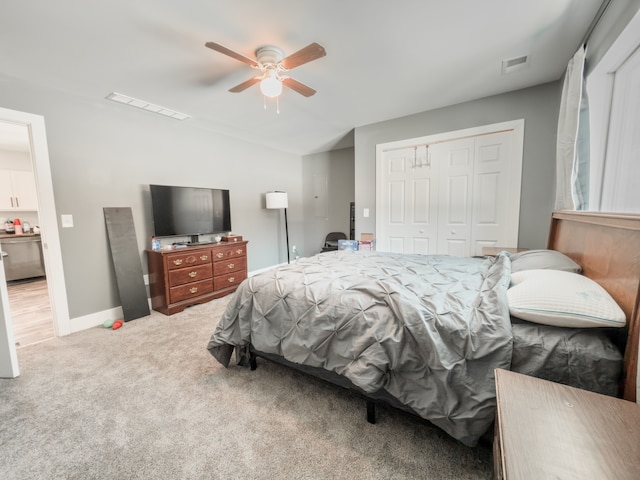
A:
[231,279]
[193,274]
[239,251]
[219,255]
[204,257]
[193,289]
[177,262]
[231,265]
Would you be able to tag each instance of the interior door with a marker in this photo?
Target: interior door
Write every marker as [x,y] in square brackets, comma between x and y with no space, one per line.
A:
[496,193]
[8,355]
[463,195]
[408,211]
[455,160]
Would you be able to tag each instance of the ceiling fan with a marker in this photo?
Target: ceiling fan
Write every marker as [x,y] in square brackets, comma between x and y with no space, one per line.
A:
[273,65]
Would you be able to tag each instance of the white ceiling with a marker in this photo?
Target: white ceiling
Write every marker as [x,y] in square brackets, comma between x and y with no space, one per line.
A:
[384,59]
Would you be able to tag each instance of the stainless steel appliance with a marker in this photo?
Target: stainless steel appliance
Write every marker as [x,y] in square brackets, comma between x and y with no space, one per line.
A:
[22,257]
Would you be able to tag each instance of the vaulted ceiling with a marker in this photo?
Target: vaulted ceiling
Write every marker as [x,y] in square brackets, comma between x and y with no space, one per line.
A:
[384,59]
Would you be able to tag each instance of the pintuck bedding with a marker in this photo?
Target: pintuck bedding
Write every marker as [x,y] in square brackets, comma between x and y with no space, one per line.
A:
[426,330]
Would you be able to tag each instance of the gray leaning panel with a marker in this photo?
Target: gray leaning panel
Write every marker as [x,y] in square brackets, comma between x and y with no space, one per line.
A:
[126,262]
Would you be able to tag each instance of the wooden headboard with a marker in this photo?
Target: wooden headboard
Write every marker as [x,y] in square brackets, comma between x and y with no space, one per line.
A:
[607,246]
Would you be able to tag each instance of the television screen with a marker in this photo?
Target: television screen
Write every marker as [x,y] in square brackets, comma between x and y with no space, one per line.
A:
[189,211]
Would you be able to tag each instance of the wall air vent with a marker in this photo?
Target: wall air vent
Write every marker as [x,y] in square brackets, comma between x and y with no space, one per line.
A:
[150,107]
[513,64]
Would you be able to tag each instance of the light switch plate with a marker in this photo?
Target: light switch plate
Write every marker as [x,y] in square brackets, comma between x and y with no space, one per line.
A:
[365,213]
[67,221]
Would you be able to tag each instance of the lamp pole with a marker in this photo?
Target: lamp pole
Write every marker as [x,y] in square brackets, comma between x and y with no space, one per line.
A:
[286,230]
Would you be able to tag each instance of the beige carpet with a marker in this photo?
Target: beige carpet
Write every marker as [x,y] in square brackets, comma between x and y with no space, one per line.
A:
[148,401]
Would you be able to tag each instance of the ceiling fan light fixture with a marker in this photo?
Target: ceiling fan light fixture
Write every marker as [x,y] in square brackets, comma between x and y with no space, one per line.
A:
[271,85]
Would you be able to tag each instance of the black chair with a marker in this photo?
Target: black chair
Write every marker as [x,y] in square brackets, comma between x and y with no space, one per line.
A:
[331,241]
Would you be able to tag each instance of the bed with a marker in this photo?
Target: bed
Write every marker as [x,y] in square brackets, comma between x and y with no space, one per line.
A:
[425,333]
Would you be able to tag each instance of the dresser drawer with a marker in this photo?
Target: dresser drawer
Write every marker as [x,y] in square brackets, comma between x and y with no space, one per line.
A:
[181,260]
[230,265]
[191,274]
[231,251]
[190,290]
[229,280]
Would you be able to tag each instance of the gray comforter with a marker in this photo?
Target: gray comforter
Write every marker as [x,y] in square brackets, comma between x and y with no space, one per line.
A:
[429,330]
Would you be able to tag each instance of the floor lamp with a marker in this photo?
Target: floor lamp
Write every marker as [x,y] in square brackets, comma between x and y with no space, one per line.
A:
[279,200]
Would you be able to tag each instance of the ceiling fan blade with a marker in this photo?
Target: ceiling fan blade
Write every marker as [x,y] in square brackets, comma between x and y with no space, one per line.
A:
[296,86]
[305,55]
[227,51]
[244,85]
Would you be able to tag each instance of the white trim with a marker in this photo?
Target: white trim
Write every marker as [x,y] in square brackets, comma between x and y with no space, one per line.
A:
[47,215]
[96,319]
[266,269]
[600,84]
[8,355]
[515,125]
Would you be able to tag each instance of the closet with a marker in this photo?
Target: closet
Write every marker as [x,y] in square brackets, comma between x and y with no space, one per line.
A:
[453,193]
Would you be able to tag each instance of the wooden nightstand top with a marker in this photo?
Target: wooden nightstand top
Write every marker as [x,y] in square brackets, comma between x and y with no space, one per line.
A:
[548,430]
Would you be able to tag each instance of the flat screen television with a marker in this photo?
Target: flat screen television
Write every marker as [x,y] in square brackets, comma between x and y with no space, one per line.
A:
[189,211]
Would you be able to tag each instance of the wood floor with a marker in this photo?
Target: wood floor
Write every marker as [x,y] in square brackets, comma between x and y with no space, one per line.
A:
[30,312]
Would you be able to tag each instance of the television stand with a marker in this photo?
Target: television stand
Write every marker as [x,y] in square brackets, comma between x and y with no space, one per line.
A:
[190,275]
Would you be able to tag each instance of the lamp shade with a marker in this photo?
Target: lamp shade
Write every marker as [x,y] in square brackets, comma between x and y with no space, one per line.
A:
[277,200]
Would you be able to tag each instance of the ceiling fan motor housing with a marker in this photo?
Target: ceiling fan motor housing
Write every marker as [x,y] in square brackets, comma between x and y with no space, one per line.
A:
[269,55]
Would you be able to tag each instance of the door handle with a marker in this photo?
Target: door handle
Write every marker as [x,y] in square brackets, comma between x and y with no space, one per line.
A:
[3,254]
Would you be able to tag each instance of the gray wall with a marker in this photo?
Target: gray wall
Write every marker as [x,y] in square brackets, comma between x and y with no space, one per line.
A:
[338,166]
[104,154]
[539,108]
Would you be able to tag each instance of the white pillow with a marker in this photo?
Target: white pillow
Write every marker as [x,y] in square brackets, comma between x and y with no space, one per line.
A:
[563,299]
[542,259]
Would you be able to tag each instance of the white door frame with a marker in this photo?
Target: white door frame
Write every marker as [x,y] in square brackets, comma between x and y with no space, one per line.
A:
[47,216]
[8,355]
[517,126]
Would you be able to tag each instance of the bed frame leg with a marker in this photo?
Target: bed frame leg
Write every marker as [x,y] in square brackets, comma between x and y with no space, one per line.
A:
[371,411]
[252,361]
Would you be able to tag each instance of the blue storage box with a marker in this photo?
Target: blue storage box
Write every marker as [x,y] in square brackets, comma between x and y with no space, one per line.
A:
[347,245]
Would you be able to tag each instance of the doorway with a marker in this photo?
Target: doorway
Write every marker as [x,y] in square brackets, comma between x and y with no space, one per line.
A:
[29,302]
[50,241]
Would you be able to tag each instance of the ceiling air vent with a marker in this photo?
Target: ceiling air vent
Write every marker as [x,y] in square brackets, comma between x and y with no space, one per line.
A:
[513,64]
[150,107]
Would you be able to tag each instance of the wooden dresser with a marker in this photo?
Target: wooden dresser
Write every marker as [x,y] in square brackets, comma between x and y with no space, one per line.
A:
[548,430]
[198,274]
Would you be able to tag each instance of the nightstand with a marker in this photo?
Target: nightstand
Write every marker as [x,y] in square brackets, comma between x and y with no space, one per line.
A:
[548,430]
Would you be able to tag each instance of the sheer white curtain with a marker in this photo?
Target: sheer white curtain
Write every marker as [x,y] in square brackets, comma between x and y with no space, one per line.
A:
[572,155]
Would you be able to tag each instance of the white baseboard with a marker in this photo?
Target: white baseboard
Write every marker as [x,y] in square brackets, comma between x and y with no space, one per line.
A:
[255,272]
[96,319]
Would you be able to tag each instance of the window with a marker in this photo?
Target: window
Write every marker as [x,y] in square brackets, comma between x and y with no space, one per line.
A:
[614,96]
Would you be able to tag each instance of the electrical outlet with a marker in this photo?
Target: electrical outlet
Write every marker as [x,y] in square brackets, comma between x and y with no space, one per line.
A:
[294,248]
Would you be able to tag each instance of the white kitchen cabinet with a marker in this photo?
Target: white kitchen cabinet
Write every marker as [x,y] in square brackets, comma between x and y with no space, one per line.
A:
[18,190]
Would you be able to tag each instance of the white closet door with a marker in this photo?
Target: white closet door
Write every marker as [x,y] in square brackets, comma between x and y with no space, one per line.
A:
[463,197]
[407,211]
[496,193]
[455,165]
